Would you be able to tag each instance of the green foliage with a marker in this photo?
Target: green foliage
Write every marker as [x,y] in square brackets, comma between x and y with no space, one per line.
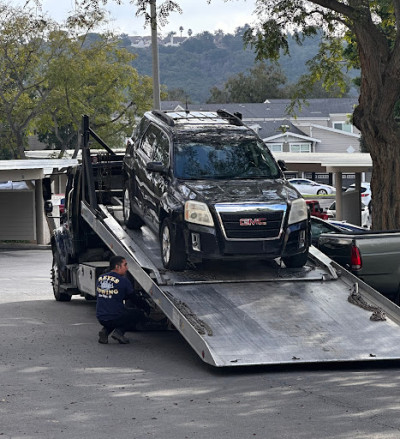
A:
[260,83]
[95,79]
[51,75]
[205,62]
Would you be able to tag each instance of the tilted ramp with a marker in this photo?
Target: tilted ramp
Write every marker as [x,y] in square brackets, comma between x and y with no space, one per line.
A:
[255,313]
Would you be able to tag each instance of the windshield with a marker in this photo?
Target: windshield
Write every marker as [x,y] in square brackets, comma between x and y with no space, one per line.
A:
[223,157]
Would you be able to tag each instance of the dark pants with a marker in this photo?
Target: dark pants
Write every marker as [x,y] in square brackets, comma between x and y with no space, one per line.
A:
[126,322]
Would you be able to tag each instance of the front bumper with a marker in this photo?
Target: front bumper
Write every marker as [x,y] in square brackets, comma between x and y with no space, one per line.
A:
[207,243]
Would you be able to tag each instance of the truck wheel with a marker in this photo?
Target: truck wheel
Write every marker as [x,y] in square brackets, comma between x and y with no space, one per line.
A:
[56,281]
[131,220]
[296,261]
[173,252]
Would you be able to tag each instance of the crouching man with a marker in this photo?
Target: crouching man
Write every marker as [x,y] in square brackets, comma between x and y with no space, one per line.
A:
[112,289]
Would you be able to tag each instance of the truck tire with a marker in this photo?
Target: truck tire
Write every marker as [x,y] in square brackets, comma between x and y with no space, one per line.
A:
[296,261]
[172,244]
[56,279]
[131,220]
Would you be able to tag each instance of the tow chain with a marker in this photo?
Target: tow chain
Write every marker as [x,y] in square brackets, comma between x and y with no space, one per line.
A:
[199,325]
[356,299]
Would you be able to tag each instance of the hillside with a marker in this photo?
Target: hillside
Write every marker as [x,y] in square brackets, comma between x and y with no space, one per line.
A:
[207,60]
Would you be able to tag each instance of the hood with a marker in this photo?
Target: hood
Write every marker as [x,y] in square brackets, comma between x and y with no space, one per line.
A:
[233,191]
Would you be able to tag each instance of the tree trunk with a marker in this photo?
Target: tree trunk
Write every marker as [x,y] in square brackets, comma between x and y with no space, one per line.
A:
[375,118]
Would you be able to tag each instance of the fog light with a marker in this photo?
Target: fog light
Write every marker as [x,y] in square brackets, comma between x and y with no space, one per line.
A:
[302,238]
[196,242]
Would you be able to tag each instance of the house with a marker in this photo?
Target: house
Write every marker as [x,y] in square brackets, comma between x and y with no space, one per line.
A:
[321,126]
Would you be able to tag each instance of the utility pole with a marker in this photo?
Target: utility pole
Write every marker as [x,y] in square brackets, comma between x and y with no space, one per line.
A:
[154,47]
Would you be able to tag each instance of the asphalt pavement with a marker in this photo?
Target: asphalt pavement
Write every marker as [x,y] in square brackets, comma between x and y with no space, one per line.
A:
[57,381]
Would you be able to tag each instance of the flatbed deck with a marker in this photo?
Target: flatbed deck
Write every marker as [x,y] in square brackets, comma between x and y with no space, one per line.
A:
[257,313]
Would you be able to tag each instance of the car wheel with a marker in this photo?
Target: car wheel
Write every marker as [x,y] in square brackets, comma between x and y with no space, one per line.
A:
[131,220]
[56,280]
[296,261]
[172,244]
[322,192]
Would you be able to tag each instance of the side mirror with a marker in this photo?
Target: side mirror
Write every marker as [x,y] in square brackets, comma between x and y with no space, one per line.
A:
[156,167]
[282,165]
[48,206]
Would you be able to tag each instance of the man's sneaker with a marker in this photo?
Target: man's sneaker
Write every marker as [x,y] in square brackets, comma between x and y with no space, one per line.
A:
[117,335]
[103,336]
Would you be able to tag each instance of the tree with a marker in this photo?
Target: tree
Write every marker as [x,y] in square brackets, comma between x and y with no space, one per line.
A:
[24,54]
[373,28]
[97,80]
[261,83]
[51,75]
[178,94]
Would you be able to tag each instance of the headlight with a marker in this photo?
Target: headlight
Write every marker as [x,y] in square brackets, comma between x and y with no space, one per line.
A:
[198,213]
[298,211]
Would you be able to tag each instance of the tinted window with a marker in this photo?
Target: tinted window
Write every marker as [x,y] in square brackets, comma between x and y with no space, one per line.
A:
[161,148]
[149,141]
[223,155]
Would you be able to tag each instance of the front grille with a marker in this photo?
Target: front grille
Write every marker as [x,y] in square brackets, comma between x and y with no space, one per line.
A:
[251,222]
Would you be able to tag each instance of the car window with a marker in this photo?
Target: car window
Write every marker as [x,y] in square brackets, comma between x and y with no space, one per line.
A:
[161,148]
[148,143]
[222,156]
[317,228]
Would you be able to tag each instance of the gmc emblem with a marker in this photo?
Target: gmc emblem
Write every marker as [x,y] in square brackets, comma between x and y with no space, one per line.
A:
[253,221]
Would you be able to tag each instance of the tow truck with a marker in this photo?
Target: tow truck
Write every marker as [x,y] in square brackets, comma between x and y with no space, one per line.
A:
[232,313]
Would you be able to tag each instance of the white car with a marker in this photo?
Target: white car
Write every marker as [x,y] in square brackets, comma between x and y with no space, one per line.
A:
[309,187]
[9,185]
[365,192]
[365,214]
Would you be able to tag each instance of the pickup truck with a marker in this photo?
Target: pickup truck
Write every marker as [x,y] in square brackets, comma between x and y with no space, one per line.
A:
[372,256]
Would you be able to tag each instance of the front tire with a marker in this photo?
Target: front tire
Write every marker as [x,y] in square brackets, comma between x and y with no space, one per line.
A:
[322,192]
[172,244]
[131,220]
[296,261]
[57,280]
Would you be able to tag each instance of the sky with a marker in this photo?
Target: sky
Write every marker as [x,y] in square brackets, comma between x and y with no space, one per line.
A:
[197,15]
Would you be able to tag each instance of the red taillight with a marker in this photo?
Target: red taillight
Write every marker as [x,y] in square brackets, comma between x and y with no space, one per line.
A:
[355,262]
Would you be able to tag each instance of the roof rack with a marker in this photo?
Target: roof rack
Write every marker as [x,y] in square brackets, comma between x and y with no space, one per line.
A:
[234,119]
[164,117]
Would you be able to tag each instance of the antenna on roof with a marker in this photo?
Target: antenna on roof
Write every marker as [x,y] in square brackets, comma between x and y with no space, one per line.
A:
[187,106]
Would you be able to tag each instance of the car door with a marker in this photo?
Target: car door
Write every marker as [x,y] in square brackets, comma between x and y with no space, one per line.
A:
[154,146]
[159,181]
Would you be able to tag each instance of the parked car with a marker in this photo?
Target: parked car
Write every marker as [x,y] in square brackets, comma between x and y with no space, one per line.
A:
[13,185]
[347,226]
[365,190]
[319,226]
[374,257]
[62,206]
[365,214]
[316,209]
[309,187]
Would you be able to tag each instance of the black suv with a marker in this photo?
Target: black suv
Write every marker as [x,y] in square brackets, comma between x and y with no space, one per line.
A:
[210,188]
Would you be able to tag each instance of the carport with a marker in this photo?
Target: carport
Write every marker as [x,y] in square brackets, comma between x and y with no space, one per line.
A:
[22,215]
[336,164]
